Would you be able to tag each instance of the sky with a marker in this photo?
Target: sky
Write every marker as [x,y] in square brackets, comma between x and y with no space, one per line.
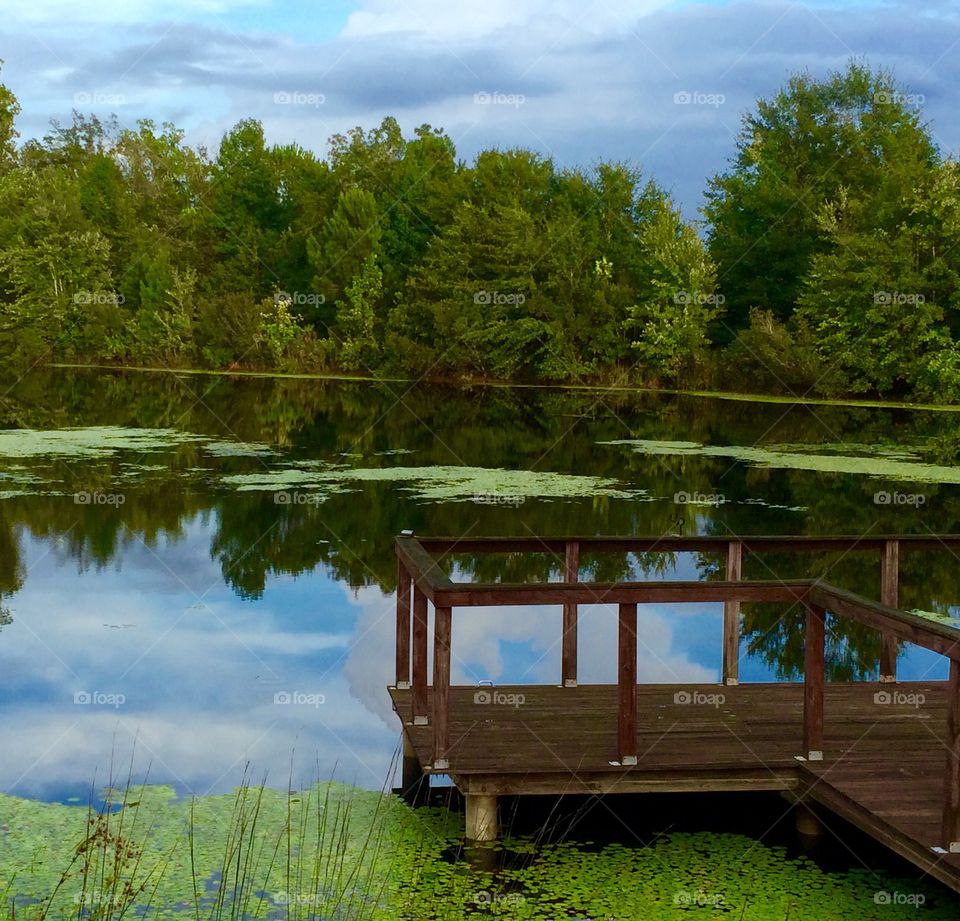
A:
[663,85]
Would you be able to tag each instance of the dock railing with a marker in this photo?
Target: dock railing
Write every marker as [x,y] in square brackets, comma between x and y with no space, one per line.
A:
[421,580]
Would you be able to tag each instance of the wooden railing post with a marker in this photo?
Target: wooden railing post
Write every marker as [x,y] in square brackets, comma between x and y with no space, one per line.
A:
[627,683]
[731,617]
[571,573]
[403,627]
[442,629]
[890,596]
[814,676]
[951,791]
[419,657]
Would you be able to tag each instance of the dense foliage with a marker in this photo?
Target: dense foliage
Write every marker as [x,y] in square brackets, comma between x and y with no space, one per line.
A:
[830,261]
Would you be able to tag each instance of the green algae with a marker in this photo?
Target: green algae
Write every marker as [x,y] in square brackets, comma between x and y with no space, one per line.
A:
[335,852]
[107,440]
[888,462]
[442,483]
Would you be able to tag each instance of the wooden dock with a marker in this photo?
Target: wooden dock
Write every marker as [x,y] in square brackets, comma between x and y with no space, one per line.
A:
[884,755]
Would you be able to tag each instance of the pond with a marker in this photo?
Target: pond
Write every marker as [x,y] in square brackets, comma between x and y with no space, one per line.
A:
[200,569]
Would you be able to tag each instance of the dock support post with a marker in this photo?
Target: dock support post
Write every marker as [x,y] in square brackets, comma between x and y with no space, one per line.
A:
[814,674]
[403,627]
[627,684]
[571,573]
[419,658]
[951,792]
[442,628]
[414,784]
[890,596]
[481,817]
[731,618]
[809,826]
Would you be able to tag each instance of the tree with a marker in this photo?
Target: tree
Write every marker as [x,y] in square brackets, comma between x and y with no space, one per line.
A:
[356,319]
[9,110]
[854,131]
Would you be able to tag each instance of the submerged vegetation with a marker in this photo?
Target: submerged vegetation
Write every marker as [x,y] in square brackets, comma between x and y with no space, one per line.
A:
[830,262]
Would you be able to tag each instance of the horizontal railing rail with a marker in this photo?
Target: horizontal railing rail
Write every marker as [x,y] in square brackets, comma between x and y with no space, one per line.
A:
[422,580]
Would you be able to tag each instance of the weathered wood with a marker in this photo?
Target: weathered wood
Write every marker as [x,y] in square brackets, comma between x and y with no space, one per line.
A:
[442,628]
[890,596]
[759,543]
[419,656]
[927,633]
[424,569]
[488,594]
[627,682]
[403,625]
[951,793]
[814,677]
[571,573]
[731,617]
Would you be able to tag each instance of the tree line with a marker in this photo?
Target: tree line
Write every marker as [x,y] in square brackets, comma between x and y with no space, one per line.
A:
[827,259]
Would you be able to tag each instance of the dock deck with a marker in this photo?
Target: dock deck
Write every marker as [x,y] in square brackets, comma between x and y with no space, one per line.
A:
[884,755]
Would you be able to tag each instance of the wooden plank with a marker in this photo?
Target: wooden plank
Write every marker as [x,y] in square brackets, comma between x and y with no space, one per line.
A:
[571,573]
[731,617]
[403,625]
[627,684]
[889,595]
[950,834]
[759,543]
[499,593]
[910,627]
[419,656]
[814,676]
[442,628]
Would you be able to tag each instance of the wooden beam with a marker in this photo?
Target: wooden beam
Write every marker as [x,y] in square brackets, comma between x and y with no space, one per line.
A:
[814,676]
[890,596]
[424,569]
[627,682]
[403,626]
[419,657]
[919,630]
[571,573]
[731,617]
[499,593]
[951,792]
[442,628]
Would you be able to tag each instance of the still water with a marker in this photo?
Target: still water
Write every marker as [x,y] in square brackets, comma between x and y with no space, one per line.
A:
[201,569]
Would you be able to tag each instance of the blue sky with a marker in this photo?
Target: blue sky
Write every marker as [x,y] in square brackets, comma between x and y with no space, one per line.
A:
[662,84]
